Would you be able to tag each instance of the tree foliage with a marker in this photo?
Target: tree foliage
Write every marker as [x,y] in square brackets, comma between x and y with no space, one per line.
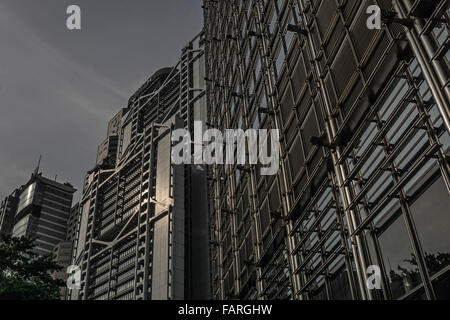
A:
[25,275]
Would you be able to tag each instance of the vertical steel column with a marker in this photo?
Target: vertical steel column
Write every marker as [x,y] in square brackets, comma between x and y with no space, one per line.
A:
[357,242]
[92,229]
[270,94]
[343,237]
[253,182]
[433,71]
[218,235]
[138,218]
[216,178]
[147,216]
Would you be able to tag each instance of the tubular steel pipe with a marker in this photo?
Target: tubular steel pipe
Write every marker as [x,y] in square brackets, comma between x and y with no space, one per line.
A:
[341,173]
[433,72]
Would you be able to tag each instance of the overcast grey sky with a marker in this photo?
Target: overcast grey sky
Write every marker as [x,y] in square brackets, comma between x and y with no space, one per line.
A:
[58,88]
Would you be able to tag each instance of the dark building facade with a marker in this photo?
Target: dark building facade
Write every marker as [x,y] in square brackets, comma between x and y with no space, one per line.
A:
[364,173]
[38,209]
[134,238]
[107,151]
[63,251]
[8,209]
[62,254]
[72,223]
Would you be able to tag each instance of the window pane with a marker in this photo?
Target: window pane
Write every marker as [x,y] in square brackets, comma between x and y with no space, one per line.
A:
[340,286]
[317,289]
[442,287]
[431,215]
[399,262]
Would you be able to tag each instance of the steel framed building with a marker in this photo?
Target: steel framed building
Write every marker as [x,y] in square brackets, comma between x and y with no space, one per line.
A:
[137,211]
[364,177]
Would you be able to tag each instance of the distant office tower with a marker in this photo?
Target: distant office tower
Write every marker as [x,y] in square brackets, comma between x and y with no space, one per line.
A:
[143,222]
[72,223]
[107,151]
[8,210]
[63,252]
[364,178]
[38,209]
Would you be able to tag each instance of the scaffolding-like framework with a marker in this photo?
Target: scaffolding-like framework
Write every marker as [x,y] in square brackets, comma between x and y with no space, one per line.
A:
[364,120]
[138,206]
[116,261]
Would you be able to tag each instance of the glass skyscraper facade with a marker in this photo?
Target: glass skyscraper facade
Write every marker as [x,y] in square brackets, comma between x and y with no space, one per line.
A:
[39,209]
[364,176]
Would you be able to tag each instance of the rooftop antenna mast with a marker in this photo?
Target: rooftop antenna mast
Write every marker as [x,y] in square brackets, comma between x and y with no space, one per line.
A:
[36,171]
